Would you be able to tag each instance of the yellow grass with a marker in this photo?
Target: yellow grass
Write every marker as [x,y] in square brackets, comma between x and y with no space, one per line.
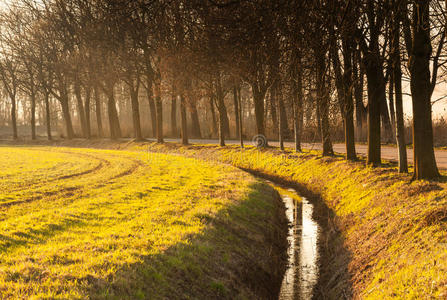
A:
[394,231]
[84,223]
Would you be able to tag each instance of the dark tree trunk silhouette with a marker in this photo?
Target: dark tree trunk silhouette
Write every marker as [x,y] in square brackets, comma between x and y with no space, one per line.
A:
[348,102]
[376,95]
[376,90]
[114,125]
[152,109]
[174,131]
[136,113]
[360,110]
[258,98]
[159,110]
[390,100]
[184,125]
[80,107]
[196,133]
[343,81]
[323,103]
[421,91]
[67,117]
[241,136]
[385,117]
[281,128]
[98,110]
[88,94]
[400,127]
[223,118]
[47,115]
[273,111]
[213,115]
[282,110]
[15,135]
[397,80]
[236,91]
[33,115]
[297,85]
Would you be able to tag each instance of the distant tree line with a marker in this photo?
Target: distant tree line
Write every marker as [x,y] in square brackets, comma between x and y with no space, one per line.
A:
[220,66]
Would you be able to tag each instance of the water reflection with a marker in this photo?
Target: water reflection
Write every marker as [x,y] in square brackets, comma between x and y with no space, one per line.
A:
[308,251]
[302,271]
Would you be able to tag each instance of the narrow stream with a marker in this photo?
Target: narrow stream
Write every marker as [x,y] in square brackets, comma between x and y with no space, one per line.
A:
[302,270]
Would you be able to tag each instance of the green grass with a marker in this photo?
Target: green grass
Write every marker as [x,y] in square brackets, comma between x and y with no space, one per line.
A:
[106,224]
[392,232]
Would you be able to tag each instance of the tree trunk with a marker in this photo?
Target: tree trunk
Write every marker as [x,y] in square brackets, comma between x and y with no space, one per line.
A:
[153,112]
[184,124]
[279,100]
[424,155]
[318,117]
[98,112]
[225,121]
[33,116]
[273,112]
[80,107]
[67,116]
[376,94]
[400,127]
[360,110]
[397,79]
[391,102]
[298,105]
[48,115]
[15,136]
[114,124]
[236,109]
[135,113]
[174,131]
[241,136]
[323,104]
[258,98]
[385,116]
[213,115]
[221,127]
[348,101]
[159,114]
[88,94]
[222,113]
[282,110]
[195,120]
[88,130]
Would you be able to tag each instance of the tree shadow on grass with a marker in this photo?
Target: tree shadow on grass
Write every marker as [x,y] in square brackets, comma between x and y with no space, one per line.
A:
[241,253]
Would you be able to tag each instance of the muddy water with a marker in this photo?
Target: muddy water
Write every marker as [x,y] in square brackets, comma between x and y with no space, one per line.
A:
[302,270]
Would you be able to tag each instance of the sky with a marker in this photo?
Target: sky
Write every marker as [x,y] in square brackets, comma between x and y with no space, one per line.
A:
[439,108]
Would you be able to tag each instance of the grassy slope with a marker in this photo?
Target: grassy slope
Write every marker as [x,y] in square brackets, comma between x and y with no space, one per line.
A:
[79,223]
[393,232]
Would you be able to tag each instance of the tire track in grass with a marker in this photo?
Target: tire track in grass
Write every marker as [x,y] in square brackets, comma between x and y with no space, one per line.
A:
[41,183]
[64,194]
[100,166]
[69,191]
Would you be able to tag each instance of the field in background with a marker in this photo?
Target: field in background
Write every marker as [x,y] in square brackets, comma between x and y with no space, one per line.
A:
[79,223]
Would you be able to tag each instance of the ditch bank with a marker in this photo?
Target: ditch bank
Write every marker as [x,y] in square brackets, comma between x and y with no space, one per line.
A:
[384,235]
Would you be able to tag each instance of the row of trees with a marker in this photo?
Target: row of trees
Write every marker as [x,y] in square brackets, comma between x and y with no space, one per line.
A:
[297,62]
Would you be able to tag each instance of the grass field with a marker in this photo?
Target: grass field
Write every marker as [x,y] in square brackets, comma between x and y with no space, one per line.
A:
[85,223]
